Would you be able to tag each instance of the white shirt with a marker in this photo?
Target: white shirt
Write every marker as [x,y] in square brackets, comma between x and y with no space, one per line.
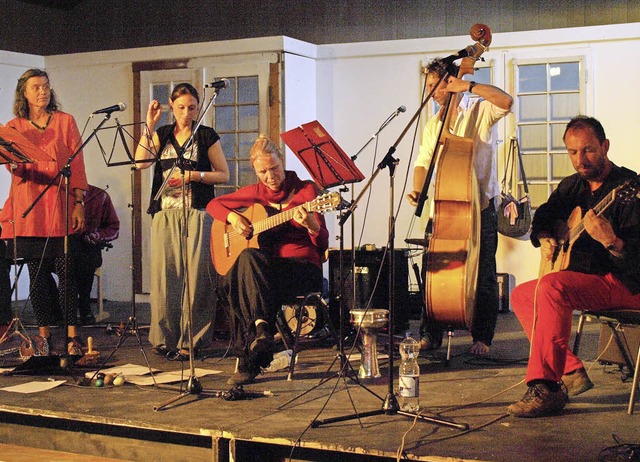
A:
[476,119]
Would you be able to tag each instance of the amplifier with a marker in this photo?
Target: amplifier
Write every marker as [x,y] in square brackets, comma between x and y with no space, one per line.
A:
[368,263]
[630,336]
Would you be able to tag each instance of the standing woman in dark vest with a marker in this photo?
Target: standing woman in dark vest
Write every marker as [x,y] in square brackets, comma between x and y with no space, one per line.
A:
[205,166]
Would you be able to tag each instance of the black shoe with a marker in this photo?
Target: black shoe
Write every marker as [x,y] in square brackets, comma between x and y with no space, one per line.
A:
[262,343]
[160,350]
[246,373]
[87,320]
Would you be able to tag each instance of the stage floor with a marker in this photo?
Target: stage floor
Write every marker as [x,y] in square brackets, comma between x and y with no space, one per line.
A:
[121,423]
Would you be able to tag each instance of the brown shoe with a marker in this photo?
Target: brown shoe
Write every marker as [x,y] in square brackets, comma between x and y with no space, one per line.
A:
[539,401]
[577,382]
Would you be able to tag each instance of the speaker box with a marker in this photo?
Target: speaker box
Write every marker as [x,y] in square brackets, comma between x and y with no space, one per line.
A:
[368,263]
[630,336]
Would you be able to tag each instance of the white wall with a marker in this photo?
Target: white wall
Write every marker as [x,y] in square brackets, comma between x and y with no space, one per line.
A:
[351,89]
[365,82]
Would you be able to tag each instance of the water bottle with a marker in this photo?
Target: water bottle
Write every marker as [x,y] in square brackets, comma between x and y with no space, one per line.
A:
[409,377]
[280,361]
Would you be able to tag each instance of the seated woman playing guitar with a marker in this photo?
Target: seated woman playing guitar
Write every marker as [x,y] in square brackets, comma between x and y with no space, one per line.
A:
[287,262]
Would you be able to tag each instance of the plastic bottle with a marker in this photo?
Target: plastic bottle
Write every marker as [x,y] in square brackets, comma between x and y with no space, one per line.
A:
[409,377]
[280,361]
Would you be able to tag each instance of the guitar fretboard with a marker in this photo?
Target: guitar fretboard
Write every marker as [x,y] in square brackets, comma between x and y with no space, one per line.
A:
[278,219]
[600,207]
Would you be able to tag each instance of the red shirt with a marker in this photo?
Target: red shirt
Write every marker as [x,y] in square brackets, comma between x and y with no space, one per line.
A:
[293,240]
[59,140]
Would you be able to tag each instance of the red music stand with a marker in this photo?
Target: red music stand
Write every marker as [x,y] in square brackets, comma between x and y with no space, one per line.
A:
[327,163]
[15,147]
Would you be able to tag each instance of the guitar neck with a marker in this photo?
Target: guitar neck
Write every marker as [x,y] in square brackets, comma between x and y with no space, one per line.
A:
[600,207]
[278,219]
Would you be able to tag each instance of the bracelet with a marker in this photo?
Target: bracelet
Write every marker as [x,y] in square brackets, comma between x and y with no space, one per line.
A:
[78,201]
[471,85]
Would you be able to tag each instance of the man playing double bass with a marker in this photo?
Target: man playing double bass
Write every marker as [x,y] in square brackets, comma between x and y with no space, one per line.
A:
[473,118]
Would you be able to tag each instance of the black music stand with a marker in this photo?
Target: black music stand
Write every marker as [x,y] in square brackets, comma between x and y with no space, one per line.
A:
[15,149]
[329,166]
[390,404]
[122,137]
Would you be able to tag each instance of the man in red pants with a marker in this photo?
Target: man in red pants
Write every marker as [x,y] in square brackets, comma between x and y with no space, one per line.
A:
[602,273]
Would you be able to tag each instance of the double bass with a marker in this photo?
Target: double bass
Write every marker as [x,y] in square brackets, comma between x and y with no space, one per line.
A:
[453,254]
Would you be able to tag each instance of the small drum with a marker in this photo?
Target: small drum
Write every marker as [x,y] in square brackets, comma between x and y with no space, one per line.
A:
[311,318]
[369,322]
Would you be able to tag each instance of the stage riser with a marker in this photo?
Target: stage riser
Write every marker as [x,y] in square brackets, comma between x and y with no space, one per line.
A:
[104,440]
[144,444]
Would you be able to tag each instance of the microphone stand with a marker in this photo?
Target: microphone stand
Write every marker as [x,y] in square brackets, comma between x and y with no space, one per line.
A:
[193,386]
[390,405]
[345,364]
[65,172]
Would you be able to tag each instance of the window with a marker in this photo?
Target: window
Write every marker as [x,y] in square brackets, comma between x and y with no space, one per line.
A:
[236,119]
[547,95]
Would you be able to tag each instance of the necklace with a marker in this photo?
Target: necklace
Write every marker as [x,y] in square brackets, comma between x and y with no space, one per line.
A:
[40,127]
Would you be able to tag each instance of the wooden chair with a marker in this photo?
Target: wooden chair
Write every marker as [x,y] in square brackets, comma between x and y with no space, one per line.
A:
[616,319]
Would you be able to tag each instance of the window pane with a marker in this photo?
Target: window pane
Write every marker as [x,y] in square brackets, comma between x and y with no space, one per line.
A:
[535,167]
[227,95]
[561,166]
[227,141]
[161,93]
[564,106]
[533,138]
[225,119]
[539,193]
[532,78]
[246,173]
[246,141]
[248,118]
[557,132]
[248,89]
[232,173]
[564,76]
[533,108]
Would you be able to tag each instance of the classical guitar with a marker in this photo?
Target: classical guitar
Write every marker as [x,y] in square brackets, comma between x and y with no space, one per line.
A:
[227,243]
[566,234]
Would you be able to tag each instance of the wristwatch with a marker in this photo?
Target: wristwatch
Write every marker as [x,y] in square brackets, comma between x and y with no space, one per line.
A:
[471,85]
[78,201]
[201,177]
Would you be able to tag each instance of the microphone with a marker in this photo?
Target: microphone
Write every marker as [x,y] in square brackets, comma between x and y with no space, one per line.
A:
[402,108]
[218,84]
[461,54]
[110,109]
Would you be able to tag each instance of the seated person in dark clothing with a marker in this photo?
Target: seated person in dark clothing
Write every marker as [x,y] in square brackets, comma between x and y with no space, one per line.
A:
[101,227]
[602,272]
[288,262]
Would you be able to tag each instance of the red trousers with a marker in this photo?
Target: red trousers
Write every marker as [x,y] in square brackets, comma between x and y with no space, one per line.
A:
[544,308]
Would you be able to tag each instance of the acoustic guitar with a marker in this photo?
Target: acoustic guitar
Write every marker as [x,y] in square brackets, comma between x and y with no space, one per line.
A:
[567,233]
[227,243]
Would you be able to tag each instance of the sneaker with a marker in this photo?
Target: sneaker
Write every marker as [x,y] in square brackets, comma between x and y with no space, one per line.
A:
[577,382]
[539,401]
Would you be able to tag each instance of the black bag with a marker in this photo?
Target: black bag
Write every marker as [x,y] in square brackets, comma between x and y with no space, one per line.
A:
[514,215]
